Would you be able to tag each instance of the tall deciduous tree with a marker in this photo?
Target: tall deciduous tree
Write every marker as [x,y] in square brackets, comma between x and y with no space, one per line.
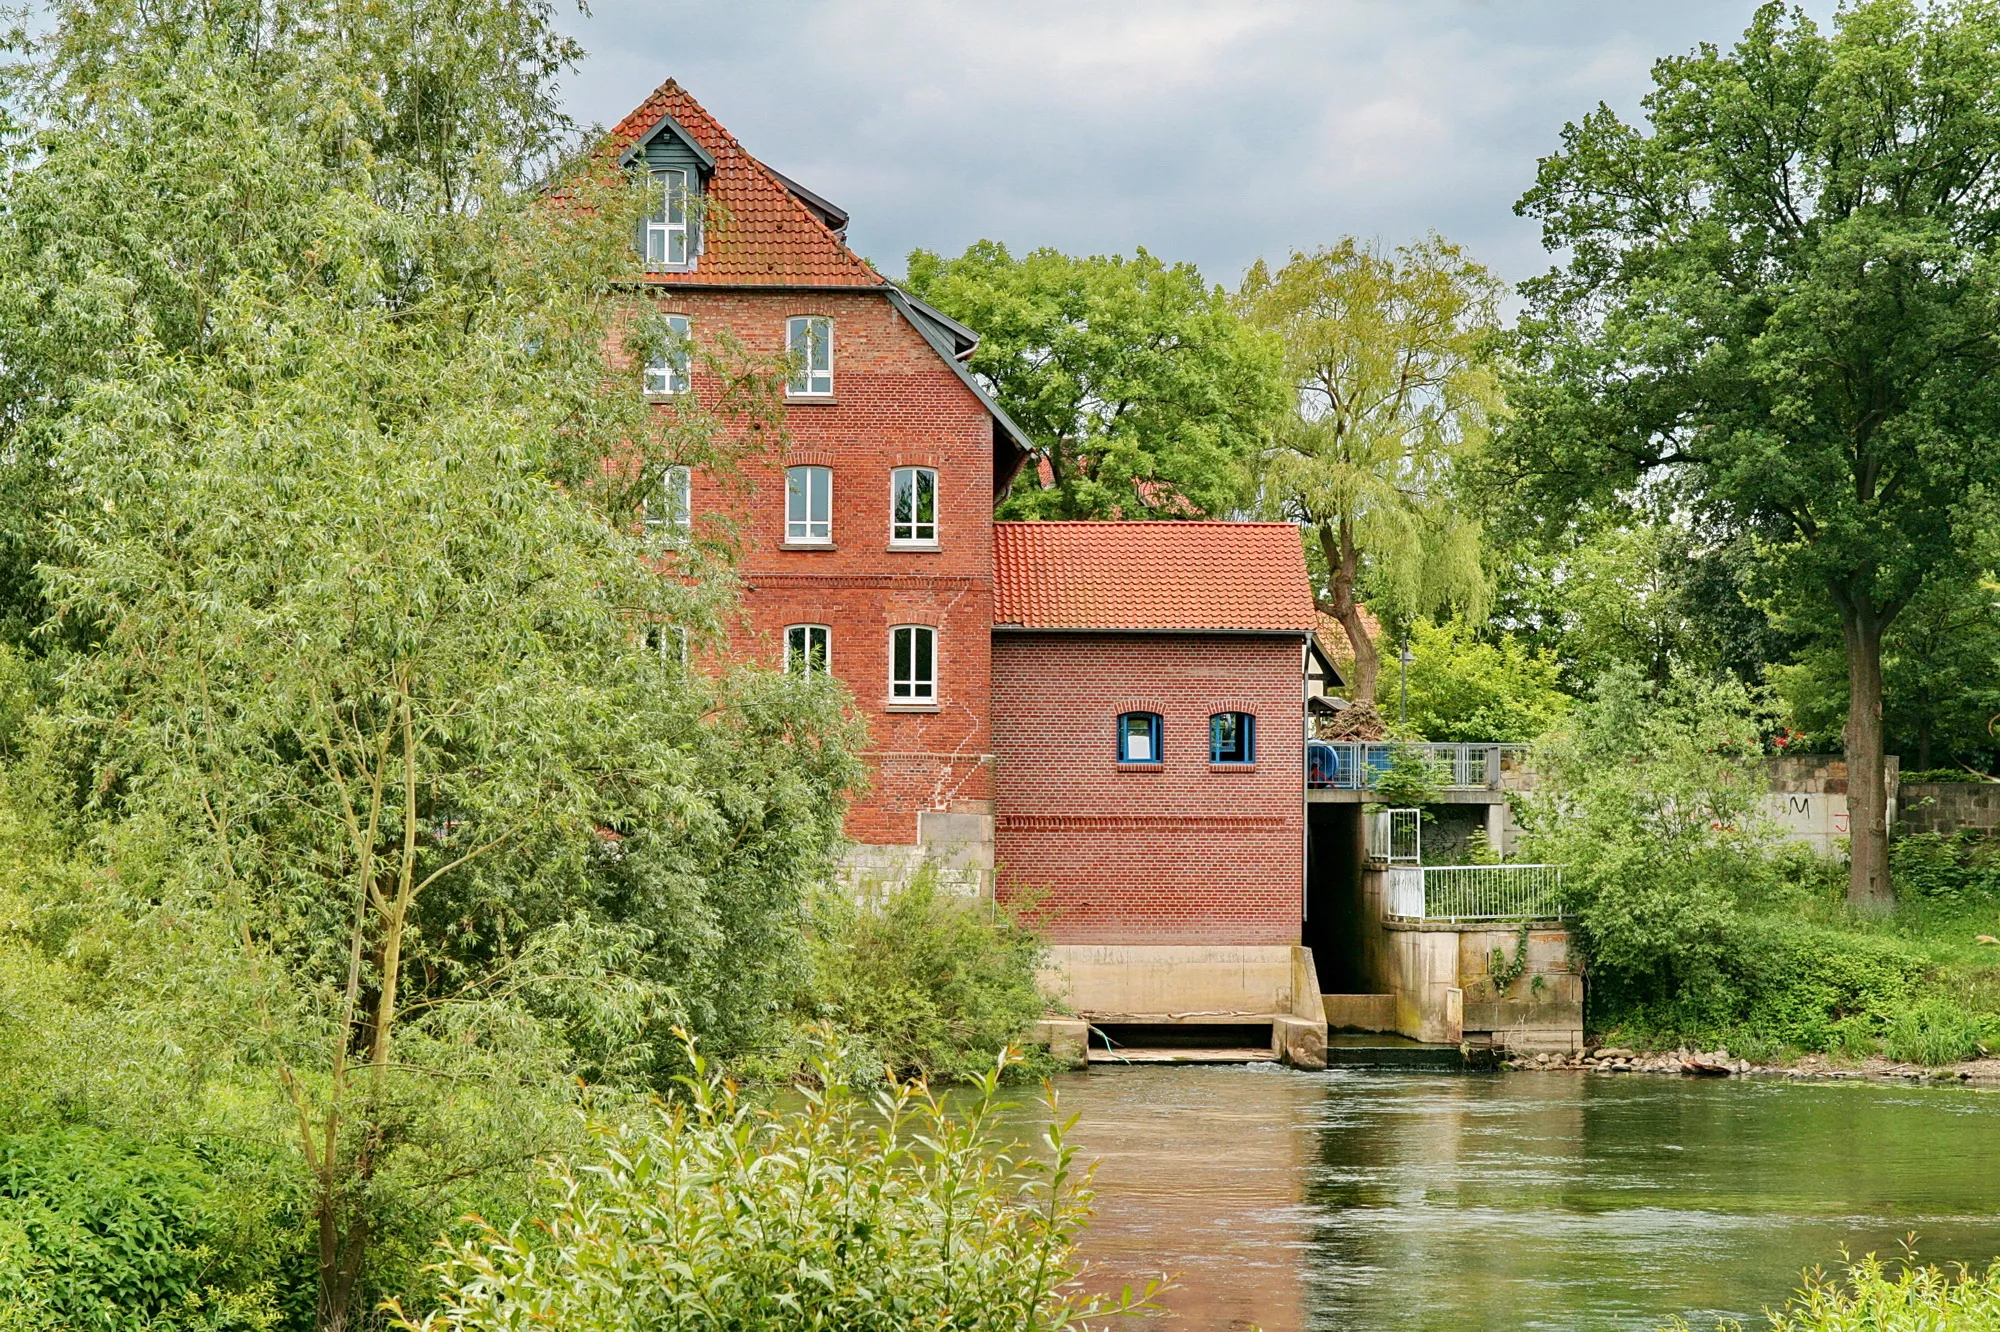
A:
[370,699]
[1391,391]
[1144,393]
[1780,299]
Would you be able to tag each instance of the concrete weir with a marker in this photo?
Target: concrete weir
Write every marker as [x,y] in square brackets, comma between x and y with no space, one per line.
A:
[1173,1003]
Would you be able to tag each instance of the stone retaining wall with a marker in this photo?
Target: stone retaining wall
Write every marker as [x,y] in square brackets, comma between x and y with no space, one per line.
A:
[1949,807]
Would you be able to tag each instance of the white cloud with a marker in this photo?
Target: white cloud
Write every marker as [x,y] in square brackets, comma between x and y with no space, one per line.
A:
[1202,130]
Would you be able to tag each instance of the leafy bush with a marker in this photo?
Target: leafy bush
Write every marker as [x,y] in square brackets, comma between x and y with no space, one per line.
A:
[1946,775]
[1912,1299]
[1958,870]
[1411,778]
[1783,982]
[922,981]
[862,1213]
[99,1233]
[1463,687]
[1649,798]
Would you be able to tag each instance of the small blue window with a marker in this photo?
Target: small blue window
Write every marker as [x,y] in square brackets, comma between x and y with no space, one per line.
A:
[1139,737]
[1232,738]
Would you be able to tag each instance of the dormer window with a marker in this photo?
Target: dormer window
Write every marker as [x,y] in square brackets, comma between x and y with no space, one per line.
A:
[809,340]
[667,219]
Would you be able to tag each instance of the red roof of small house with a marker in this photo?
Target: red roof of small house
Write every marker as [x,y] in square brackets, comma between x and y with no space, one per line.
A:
[1163,577]
[761,233]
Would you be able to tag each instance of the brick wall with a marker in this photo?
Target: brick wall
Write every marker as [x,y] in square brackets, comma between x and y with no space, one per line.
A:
[895,404]
[1181,852]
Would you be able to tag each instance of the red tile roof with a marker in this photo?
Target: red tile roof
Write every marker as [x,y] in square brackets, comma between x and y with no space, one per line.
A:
[1242,577]
[760,233]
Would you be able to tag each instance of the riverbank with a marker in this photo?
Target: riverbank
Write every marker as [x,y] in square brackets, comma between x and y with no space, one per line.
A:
[1687,1062]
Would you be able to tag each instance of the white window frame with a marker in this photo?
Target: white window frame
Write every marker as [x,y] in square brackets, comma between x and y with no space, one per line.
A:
[667,241]
[914,532]
[670,641]
[809,341]
[908,685]
[672,515]
[667,374]
[804,484]
[805,634]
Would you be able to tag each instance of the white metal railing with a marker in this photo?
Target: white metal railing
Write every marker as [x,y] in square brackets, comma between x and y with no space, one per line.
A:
[1475,892]
[1352,765]
[1396,836]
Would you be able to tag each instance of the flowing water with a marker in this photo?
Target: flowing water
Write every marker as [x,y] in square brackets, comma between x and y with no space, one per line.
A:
[1355,1200]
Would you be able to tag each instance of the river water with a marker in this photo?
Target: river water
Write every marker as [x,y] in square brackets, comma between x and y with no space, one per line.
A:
[1378,1201]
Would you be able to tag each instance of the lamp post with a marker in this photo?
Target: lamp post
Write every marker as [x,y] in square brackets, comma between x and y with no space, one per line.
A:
[1406,659]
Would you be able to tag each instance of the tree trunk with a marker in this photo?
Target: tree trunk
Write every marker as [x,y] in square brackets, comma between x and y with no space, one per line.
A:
[1867,794]
[1343,562]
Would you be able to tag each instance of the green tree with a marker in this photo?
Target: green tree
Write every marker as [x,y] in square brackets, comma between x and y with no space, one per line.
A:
[1390,392]
[365,773]
[160,155]
[1144,393]
[1466,688]
[1940,678]
[1779,306]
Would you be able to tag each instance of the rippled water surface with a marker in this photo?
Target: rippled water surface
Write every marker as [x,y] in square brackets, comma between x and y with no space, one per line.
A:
[1294,1201]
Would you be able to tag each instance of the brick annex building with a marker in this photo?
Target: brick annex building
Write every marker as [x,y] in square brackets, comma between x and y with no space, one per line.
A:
[1109,715]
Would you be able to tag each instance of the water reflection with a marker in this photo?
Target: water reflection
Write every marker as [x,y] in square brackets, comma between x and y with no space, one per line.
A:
[1297,1201]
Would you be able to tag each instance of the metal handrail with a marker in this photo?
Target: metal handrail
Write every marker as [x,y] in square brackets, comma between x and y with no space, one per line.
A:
[1463,893]
[1353,765]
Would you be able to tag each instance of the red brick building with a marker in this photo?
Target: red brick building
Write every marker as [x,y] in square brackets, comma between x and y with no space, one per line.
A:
[1110,712]
[1149,723]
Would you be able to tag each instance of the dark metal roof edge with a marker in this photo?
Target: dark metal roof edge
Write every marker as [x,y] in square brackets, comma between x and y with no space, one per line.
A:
[814,201]
[901,301]
[959,332]
[1333,674]
[667,121]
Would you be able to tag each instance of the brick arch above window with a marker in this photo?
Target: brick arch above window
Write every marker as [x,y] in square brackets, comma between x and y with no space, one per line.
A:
[916,459]
[1237,705]
[1120,706]
[796,457]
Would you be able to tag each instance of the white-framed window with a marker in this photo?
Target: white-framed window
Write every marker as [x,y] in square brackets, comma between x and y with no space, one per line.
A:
[913,506]
[670,513]
[667,219]
[808,650]
[913,664]
[670,641]
[667,372]
[808,505]
[809,341]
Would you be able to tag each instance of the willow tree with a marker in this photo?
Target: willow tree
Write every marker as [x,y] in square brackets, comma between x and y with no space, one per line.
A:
[1383,350]
[1779,310]
[368,735]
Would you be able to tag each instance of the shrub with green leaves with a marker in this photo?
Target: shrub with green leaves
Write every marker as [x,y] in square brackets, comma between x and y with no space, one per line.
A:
[1870,1296]
[854,1212]
[922,981]
[101,1233]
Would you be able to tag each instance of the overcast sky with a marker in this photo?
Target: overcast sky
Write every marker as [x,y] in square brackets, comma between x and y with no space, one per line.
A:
[1201,129]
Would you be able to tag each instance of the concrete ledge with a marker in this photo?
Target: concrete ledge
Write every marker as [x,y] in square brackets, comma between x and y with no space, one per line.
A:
[1068,1039]
[1359,1012]
[1195,984]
